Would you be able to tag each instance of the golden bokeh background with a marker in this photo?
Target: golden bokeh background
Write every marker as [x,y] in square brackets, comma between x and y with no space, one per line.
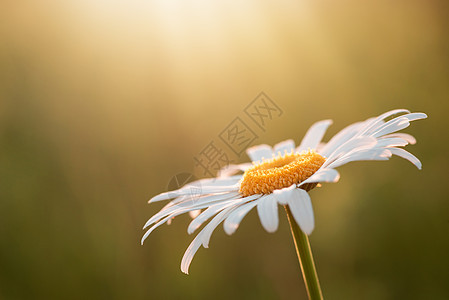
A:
[102,102]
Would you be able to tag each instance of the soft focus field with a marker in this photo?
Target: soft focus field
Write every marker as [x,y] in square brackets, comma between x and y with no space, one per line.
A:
[102,102]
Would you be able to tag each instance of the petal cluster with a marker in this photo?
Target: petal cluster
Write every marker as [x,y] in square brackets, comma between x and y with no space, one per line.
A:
[221,200]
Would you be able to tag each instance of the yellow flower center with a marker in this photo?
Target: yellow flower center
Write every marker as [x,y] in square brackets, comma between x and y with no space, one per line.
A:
[280,172]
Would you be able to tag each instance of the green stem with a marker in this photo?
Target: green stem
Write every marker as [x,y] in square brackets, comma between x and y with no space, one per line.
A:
[305,259]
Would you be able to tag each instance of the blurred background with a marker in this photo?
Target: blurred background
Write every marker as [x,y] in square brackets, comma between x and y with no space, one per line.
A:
[103,102]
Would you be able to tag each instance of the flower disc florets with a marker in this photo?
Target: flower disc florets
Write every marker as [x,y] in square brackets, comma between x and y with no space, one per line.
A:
[280,172]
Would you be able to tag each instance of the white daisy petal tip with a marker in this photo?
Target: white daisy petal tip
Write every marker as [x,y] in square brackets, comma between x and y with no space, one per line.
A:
[416,116]
[161,197]
[309,229]
[336,177]
[267,207]
[405,136]
[301,208]
[257,153]
[230,228]
[283,147]
[323,175]
[314,135]
[194,213]
[191,229]
[232,222]
[407,155]
[281,195]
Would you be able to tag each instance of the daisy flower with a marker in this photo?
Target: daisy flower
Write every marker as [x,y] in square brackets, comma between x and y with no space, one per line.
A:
[282,175]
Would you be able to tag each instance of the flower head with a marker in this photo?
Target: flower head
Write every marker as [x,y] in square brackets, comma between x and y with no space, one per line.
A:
[283,175]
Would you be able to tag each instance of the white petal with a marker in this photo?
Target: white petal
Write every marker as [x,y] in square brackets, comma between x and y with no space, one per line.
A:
[415,116]
[231,180]
[218,181]
[407,155]
[368,154]
[165,196]
[340,138]
[208,213]
[282,195]
[267,207]
[323,175]
[200,187]
[257,153]
[392,113]
[167,212]
[405,136]
[195,192]
[214,209]
[168,217]
[230,170]
[195,196]
[302,210]
[192,204]
[194,213]
[217,189]
[281,148]
[202,239]
[358,143]
[152,228]
[320,147]
[390,142]
[378,121]
[183,207]
[190,253]
[314,135]
[395,124]
[233,221]
[217,220]
[391,126]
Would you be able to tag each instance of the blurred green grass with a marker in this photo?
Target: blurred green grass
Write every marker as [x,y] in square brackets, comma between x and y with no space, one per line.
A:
[101,104]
